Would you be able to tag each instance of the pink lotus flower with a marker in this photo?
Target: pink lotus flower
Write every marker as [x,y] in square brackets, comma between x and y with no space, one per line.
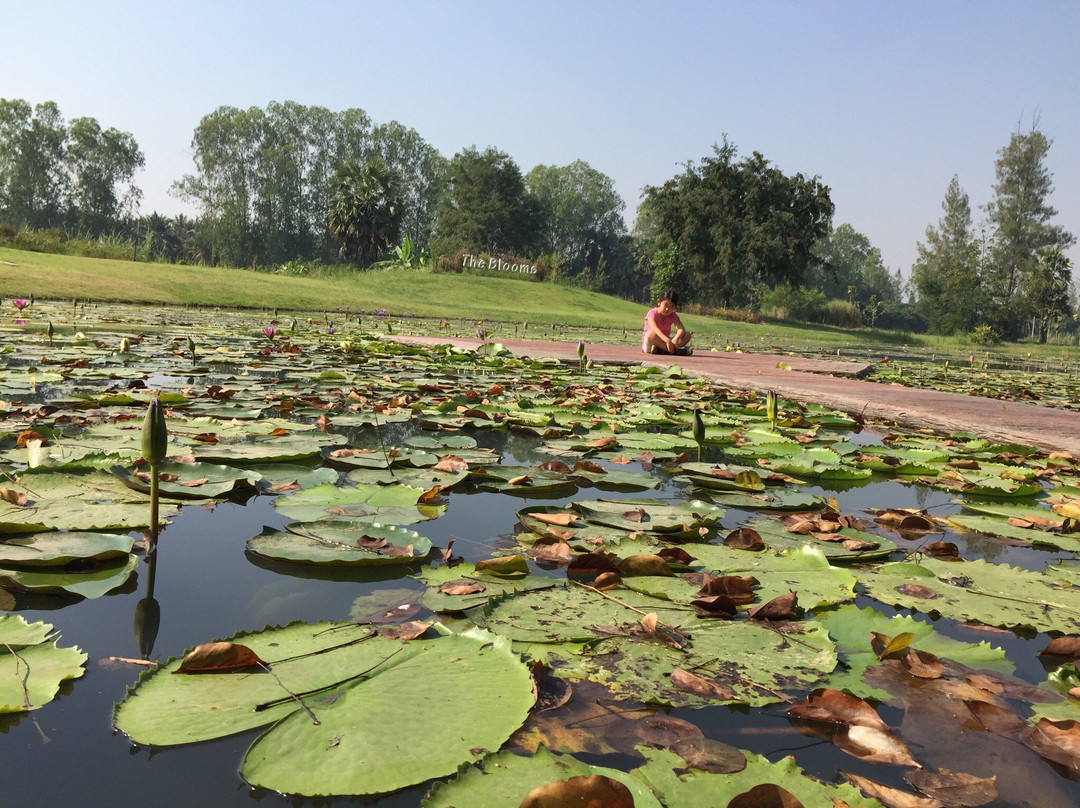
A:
[20,303]
[270,331]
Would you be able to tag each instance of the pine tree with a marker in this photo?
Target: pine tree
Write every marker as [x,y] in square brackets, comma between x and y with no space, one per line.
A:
[946,273]
[1020,285]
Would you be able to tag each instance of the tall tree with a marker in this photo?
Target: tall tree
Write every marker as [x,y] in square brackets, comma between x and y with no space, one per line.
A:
[848,266]
[485,206]
[582,215]
[737,224]
[422,170]
[33,180]
[945,275]
[102,165]
[1016,280]
[365,210]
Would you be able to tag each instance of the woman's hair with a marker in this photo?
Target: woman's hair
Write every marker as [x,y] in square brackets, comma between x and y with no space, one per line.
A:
[669,294]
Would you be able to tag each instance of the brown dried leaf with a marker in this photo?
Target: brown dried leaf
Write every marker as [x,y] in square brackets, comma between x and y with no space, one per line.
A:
[715,606]
[404,631]
[765,795]
[995,718]
[837,707]
[699,685]
[709,755]
[954,788]
[644,564]
[593,791]
[219,657]
[551,548]
[14,497]
[1067,648]
[779,608]
[874,745]
[887,795]
[521,479]
[561,519]
[942,549]
[589,465]
[886,647]
[28,435]
[744,538]
[739,588]
[451,463]
[461,588]
[555,465]
[917,591]
[922,664]
[1056,741]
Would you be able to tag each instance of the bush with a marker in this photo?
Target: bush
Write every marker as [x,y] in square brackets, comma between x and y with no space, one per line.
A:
[984,335]
[902,317]
[793,303]
[840,313]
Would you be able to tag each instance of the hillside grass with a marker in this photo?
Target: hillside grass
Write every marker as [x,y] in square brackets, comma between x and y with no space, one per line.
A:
[432,296]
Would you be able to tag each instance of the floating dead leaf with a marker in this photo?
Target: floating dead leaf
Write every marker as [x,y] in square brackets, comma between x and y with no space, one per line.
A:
[887,795]
[345,452]
[837,707]
[995,718]
[779,608]
[592,791]
[744,538]
[676,555]
[461,588]
[404,631]
[1067,648]
[664,731]
[28,435]
[886,647]
[709,755]
[607,580]
[589,465]
[858,545]
[503,565]
[715,606]
[14,497]
[521,479]
[942,549]
[917,591]
[874,745]
[700,685]
[636,515]
[282,487]
[1056,741]
[737,587]
[555,465]
[601,443]
[451,463]
[219,657]
[766,795]
[921,664]
[551,548]
[193,483]
[643,564]
[916,523]
[397,614]
[589,566]
[560,519]
[954,788]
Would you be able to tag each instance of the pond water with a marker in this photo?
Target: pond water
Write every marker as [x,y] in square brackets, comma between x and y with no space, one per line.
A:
[208,587]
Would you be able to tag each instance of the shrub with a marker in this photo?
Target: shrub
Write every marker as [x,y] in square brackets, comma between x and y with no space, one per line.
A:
[793,303]
[984,335]
[840,313]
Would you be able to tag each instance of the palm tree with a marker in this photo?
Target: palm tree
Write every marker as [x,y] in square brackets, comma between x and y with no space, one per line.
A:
[365,209]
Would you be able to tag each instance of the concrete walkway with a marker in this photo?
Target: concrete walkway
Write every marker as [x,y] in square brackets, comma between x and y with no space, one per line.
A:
[836,384]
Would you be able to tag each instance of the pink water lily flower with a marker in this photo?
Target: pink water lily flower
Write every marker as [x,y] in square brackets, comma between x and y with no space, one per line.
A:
[270,331]
[20,303]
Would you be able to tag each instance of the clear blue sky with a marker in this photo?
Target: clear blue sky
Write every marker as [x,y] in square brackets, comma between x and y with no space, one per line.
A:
[883,101]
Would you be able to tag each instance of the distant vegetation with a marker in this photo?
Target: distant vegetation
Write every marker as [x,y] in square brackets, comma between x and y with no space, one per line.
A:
[298,190]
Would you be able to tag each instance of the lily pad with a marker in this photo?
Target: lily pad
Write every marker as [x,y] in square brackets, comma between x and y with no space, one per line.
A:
[341,543]
[349,682]
[32,665]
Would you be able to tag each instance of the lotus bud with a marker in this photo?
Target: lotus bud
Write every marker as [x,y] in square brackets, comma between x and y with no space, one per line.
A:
[51,331]
[125,345]
[770,408]
[155,435]
[581,349]
[699,433]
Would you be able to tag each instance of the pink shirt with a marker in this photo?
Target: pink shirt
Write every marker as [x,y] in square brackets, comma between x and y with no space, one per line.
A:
[663,323]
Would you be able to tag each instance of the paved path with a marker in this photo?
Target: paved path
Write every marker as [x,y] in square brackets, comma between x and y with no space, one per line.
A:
[836,384]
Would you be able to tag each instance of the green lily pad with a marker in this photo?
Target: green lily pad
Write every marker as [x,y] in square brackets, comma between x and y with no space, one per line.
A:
[341,543]
[506,779]
[56,549]
[32,665]
[191,480]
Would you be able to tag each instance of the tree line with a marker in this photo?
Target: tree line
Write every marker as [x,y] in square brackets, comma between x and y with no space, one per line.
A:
[291,184]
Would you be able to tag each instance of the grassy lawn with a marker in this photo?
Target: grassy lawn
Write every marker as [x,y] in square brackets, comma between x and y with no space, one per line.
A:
[434,297]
